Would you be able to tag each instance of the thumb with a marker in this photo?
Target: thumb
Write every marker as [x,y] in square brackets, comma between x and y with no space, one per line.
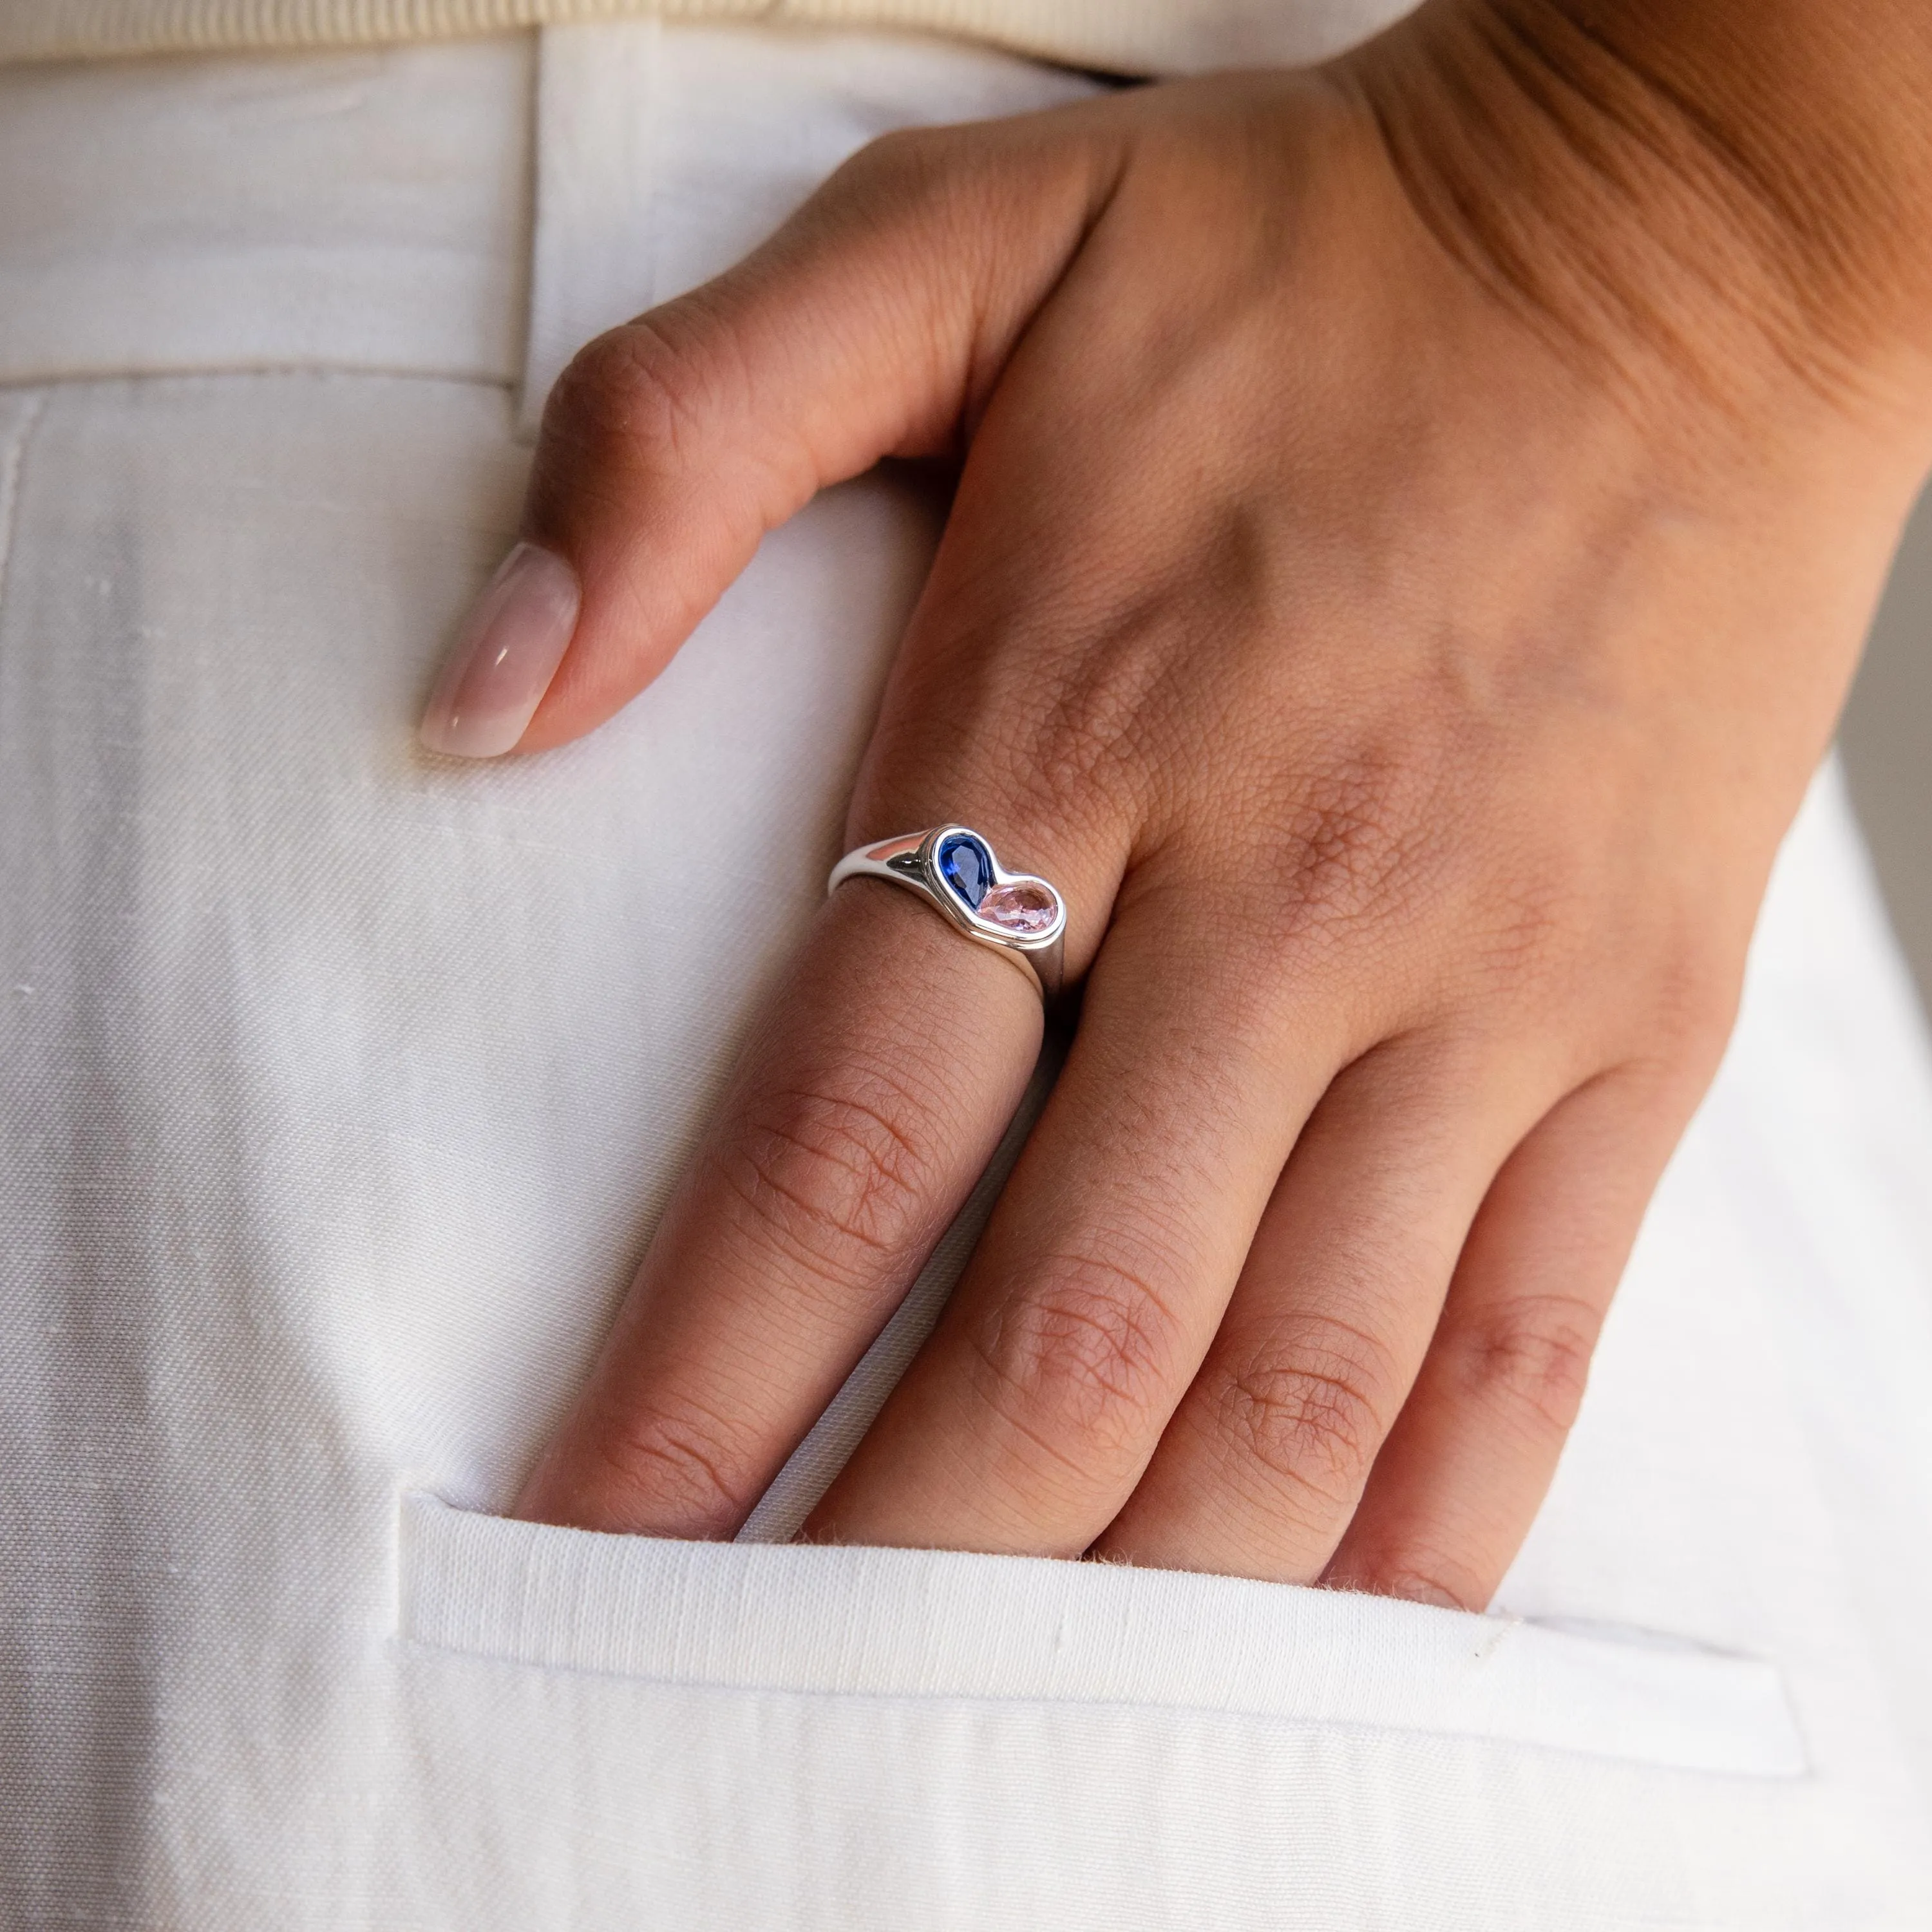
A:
[871,325]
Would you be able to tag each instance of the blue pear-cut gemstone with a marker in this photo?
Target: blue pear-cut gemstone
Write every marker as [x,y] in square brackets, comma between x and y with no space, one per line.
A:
[967,866]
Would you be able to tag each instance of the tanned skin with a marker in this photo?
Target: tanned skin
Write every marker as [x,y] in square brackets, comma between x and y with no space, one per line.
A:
[1416,522]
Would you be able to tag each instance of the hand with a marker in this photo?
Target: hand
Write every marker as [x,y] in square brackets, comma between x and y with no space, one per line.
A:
[1410,545]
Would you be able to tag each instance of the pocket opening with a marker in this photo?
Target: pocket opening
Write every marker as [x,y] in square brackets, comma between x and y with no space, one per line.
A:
[940,1623]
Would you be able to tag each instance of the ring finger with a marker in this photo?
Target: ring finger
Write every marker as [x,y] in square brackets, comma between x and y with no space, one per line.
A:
[870,1097]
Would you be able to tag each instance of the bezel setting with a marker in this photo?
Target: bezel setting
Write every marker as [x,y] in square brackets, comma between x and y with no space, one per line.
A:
[1027,922]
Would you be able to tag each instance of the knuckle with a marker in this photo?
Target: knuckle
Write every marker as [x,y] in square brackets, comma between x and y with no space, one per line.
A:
[1353,840]
[1084,1354]
[900,154]
[1095,719]
[1697,1006]
[683,1472]
[1061,722]
[1530,1354]
[920,173]
[1533,942]
[837,1177]
[637,386]
[1315,1418]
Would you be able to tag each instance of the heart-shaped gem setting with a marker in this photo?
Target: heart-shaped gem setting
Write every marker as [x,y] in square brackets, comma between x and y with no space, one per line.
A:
[1022,907]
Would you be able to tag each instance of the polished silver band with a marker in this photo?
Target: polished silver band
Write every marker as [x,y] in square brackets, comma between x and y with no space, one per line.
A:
[952,867]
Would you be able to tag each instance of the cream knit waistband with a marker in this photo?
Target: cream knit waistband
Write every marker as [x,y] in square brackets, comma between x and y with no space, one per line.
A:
[1116,36]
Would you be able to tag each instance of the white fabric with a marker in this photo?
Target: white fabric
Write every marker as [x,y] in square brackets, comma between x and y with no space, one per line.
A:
[915,1623]
[364,211]
[341,1086]
[669,152]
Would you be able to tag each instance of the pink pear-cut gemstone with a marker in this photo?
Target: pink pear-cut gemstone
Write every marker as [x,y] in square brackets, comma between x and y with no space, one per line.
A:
[1024,907]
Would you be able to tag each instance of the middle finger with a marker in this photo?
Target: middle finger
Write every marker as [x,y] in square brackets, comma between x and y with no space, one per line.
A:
[1026,1421]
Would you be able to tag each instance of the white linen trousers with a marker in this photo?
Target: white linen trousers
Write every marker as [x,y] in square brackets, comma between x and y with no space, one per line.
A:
[340,1086]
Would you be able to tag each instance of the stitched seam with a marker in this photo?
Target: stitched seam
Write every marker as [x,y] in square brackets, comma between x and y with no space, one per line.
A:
[69,379]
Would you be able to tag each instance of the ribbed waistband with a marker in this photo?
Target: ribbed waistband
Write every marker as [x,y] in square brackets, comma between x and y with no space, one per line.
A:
[1136,36]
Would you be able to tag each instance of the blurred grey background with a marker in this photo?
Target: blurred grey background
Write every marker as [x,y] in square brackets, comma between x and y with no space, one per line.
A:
[1887,742]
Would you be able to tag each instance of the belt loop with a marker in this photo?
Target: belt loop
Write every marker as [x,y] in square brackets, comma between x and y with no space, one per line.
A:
[593,251]
[666,151]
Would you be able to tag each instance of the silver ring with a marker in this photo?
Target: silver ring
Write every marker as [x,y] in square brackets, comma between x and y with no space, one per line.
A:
[952,869]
